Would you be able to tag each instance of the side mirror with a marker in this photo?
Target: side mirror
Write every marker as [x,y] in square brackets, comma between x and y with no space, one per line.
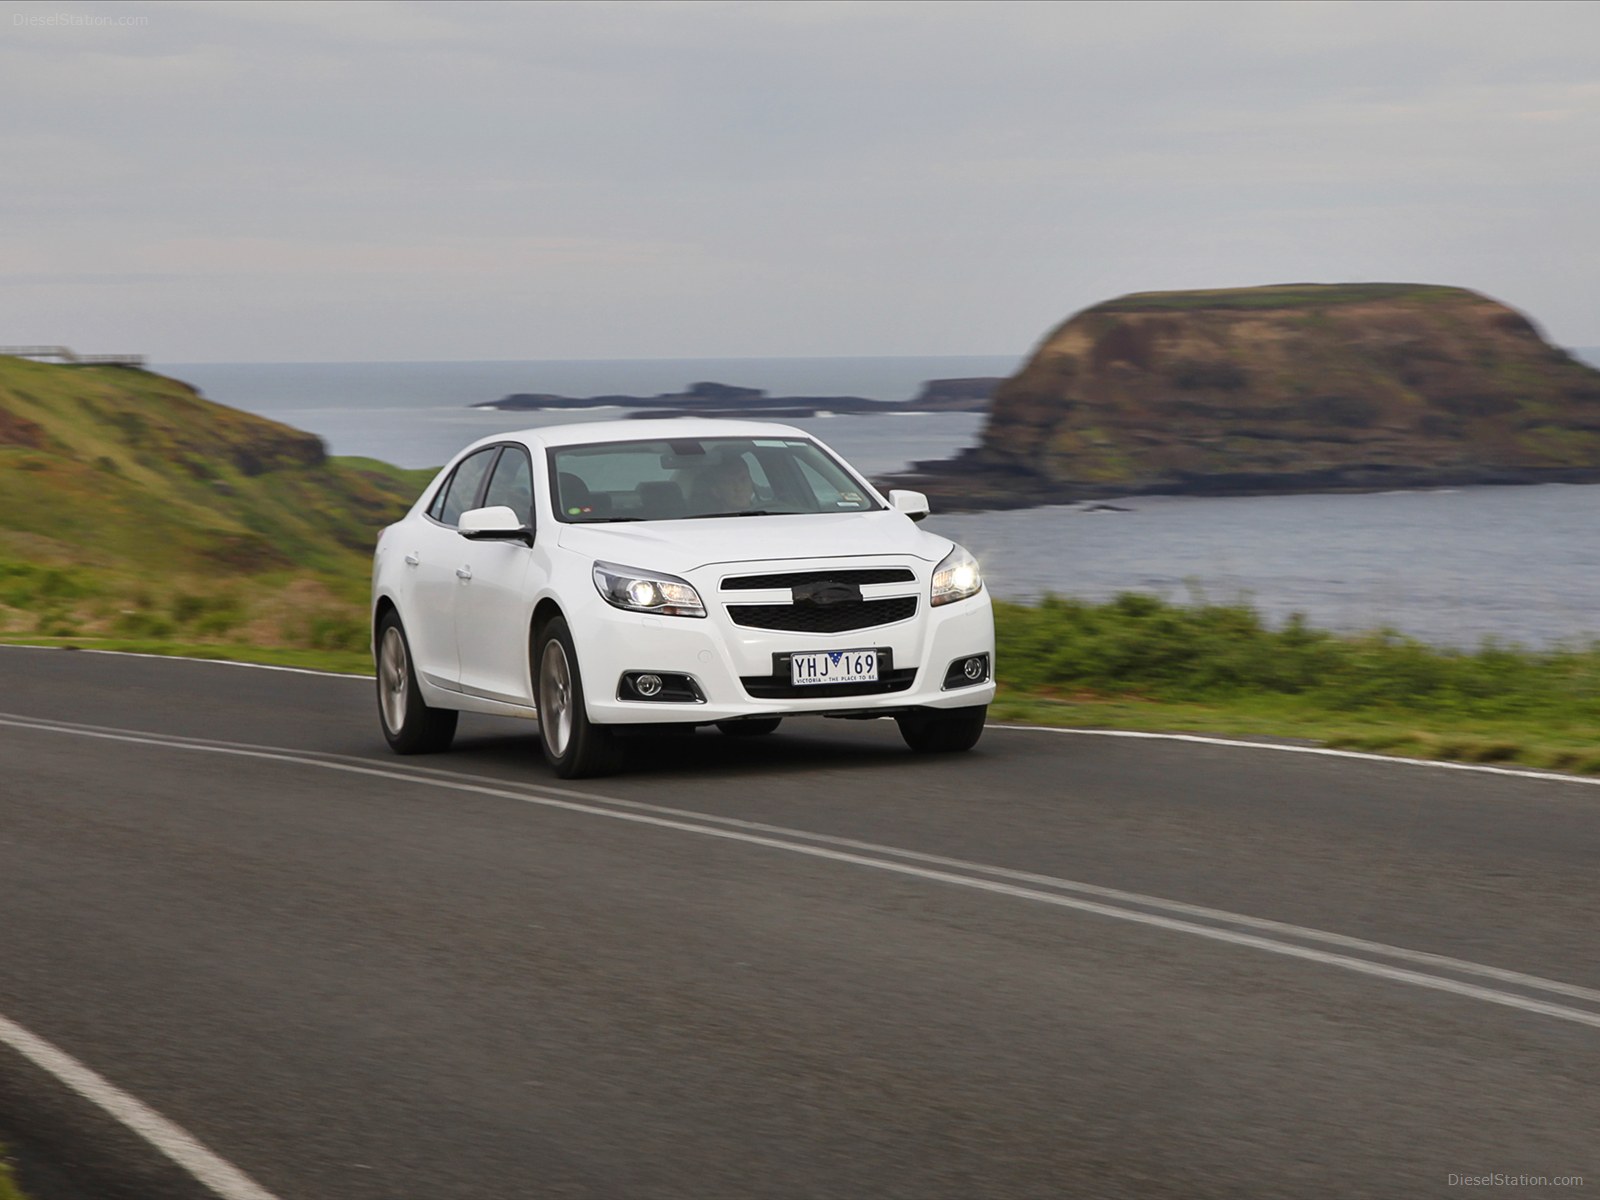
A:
[494,524]
[913,504]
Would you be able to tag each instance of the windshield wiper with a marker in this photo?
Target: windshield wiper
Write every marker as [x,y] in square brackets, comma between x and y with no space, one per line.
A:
[749,512]
[608,520]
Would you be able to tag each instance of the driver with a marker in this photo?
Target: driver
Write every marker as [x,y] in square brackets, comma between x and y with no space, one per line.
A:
[727,486]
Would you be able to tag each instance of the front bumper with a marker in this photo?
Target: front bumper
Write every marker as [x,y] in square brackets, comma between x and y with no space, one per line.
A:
[740,671]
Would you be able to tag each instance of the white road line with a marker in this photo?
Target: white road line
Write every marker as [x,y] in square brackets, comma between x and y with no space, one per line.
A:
[182,1147]
[1178,907]
[1320,751]
[216,662]
[1196,738]
[700,827]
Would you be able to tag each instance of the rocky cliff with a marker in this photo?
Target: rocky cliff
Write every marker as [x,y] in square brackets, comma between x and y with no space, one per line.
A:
[1300,387]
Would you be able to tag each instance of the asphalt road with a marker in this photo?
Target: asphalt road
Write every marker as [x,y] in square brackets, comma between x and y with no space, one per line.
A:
[808,965]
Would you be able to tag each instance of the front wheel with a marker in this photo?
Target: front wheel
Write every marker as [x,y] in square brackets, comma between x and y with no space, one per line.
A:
[943,731]
[573,745]
[410,725]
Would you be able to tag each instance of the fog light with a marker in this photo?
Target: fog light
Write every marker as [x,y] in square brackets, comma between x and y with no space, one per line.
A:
[659,687]
[967,672]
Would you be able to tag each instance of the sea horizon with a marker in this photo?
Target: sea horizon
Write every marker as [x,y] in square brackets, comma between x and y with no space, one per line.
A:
[637,358]
[419,414]
[1590,354]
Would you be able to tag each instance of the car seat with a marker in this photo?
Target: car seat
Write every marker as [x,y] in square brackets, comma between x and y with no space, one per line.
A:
[660,499]
[574,493]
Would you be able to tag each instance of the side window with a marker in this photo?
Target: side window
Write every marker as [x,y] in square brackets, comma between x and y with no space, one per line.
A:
[462,490]
[436,509]
[512,484]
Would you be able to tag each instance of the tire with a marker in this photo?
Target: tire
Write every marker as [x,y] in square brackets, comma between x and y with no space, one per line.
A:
[943,731]
[573,745]
[750,726]
[409,724]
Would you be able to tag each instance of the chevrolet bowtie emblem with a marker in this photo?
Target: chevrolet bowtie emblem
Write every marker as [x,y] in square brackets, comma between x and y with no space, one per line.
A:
[825,593]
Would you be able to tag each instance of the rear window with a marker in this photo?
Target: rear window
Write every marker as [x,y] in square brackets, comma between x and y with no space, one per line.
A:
[683,478]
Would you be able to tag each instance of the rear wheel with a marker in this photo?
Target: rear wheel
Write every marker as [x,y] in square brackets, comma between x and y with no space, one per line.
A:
[409,724]
[943,731]
[750,726]
[573,745]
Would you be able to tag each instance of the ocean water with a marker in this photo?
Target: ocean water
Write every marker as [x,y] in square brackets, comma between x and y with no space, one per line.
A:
[1454,567]
[419,414]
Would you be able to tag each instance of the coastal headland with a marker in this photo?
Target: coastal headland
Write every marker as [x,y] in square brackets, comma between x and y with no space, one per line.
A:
[131,507]
[1292,388]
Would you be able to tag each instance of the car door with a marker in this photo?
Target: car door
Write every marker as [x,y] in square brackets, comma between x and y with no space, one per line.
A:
[492,611]
[435,557]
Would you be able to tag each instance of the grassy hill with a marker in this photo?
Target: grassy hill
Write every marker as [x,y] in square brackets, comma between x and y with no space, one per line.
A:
[131,506]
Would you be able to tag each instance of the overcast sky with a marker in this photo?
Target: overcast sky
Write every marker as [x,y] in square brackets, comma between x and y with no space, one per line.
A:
[297,182]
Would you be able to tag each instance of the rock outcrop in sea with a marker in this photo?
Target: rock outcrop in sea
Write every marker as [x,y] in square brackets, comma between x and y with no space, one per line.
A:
[726,400]
[1300,387]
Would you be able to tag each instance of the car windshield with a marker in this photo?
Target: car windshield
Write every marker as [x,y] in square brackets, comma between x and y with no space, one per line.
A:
[677,478]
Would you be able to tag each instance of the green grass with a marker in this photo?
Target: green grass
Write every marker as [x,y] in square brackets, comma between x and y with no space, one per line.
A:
[408,481]
[1473,741]
[1290,295]
[344,662]
[1138,662]
[9,1188]
[322,611]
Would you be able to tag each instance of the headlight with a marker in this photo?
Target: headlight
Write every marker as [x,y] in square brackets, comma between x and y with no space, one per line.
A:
[647,591]
[956,578]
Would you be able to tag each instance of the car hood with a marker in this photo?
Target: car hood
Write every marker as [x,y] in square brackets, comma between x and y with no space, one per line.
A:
[679,546]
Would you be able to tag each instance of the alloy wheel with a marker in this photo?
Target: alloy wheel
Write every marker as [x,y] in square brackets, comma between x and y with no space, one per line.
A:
[393,679]
[555,698]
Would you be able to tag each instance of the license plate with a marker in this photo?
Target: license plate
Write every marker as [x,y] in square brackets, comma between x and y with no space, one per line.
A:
[834,666]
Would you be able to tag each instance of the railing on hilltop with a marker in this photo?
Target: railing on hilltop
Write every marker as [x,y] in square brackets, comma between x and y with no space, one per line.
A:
[63,354]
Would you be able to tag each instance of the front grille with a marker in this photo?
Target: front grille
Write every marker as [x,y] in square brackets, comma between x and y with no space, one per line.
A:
[780,686]
[824,618]
[788,579]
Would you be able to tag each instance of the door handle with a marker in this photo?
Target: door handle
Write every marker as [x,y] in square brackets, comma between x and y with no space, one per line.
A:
[463,572]
[412,559]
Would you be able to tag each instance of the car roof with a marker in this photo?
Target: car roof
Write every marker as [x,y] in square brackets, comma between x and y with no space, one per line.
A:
[589,432]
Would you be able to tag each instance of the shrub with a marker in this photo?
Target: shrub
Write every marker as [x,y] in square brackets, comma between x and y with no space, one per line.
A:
[143,624]
[209,615]
[29,585]
[1142,645]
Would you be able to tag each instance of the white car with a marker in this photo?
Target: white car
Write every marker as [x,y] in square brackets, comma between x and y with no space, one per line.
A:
[683,572]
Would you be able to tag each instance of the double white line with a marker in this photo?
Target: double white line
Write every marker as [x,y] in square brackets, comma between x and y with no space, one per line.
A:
[1438,972]
[1477,981]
